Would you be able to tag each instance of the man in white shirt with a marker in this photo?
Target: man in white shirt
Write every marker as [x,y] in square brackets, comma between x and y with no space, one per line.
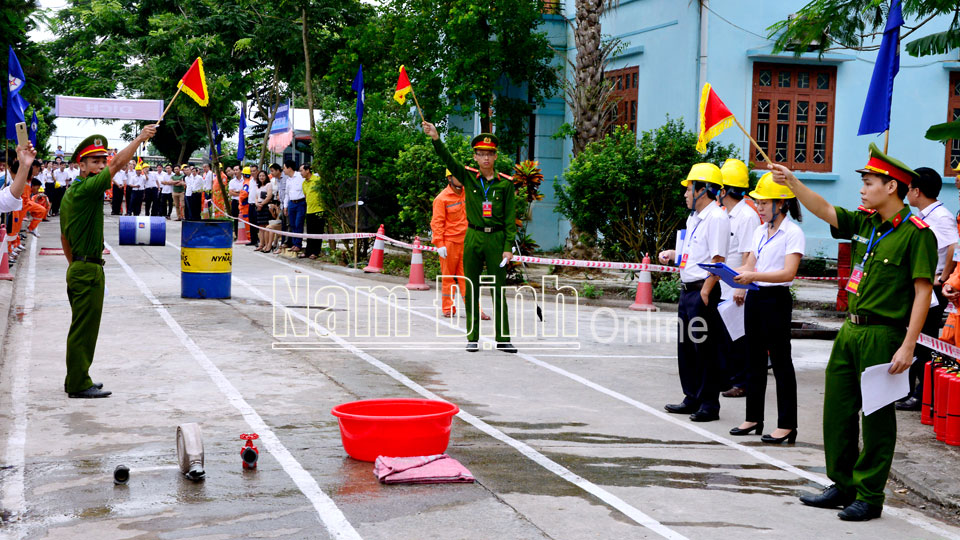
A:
[116,195]
[74,171]
[207,180]
[135,184]
[129,175]
[744,220]
[195,188]
[151,191]
[11,197]
[296,209]
[166,192]
[233,190]
[922,196]
[55,186]
[707,241]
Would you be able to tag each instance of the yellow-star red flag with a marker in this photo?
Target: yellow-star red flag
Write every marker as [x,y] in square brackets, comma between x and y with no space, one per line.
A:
[403,87]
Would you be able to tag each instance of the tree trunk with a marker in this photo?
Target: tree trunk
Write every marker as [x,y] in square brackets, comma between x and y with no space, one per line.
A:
[273,114]
[588,74]
[216,161]
[183,150]
[307,82]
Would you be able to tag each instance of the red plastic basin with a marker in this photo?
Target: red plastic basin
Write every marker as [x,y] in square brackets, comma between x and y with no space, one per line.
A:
[394,427]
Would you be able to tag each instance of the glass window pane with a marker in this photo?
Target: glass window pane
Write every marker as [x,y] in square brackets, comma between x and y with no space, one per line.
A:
[800,145]
[783,111]
[619,82]
[821,114]
[803,108]
[823,81]
[956,114]
[766,76]
[635,77]
[633,111]
[955,153]
[763,133]
[956,87]
[783,79]
[819,144]
[763,109]
[803,80]
[783,139]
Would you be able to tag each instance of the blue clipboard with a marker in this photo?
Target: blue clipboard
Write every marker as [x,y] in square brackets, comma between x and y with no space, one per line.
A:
[727,274]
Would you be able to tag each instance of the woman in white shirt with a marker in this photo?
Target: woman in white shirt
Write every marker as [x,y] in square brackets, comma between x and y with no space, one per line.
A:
[777,247]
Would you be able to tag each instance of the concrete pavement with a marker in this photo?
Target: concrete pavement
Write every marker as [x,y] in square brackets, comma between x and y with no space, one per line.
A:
[567,439]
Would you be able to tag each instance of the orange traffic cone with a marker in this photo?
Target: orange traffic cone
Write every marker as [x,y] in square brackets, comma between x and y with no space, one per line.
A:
[644,299]
[243,231]
[953,411]
[5,274]
[376,258]
[416,282]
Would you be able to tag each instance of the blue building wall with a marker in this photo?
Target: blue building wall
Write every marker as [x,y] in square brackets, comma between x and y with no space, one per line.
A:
[662,38]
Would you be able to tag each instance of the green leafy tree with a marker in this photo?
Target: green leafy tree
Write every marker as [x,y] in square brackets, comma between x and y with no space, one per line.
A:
[18,18]
[627,193]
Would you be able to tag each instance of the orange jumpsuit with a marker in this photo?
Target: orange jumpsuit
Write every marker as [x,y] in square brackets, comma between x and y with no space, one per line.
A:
[449,228]
[36,210]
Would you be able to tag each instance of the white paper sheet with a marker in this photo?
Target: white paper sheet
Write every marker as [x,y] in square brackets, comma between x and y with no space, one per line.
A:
[879,388]
[732,316]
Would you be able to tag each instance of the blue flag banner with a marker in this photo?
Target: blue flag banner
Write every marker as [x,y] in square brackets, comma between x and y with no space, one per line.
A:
[358,88]
[216,140]
[876,110]
[34,126]
[242,143]
[15,104]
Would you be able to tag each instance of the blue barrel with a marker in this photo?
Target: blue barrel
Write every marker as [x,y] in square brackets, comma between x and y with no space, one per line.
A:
[206,258]
[143,231]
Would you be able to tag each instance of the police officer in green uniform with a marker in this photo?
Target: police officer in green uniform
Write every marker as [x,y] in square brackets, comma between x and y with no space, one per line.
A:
[81,233]
[491,229]
[894,257]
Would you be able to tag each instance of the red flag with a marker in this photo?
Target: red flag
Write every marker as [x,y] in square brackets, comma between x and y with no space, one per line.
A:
[194,83]
[403,87]
[714,117]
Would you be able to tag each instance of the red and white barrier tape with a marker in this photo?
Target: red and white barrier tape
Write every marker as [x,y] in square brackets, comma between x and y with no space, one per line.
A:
[939,346]
[604,265]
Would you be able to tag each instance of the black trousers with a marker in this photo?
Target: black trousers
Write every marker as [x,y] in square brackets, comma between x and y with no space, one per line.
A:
[767,320]
[151,201]
[166,204]
[931,327]
[58,198]
[699,367]
[136,202]
[193,206]
[116,201]
[234,213]
[51,193]
[252,218]
[316,224]
[128,200]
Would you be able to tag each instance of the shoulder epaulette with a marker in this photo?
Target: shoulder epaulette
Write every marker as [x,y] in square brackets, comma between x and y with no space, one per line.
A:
[921,224]
[506,177]
[863,208]
[471,169]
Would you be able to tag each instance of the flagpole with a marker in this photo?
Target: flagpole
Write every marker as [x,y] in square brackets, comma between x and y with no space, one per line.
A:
[745,132]
[356,209]
[179,88]
[417,103]
[886,140]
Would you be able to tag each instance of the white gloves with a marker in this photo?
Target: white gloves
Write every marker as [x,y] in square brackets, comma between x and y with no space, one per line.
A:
[442,252]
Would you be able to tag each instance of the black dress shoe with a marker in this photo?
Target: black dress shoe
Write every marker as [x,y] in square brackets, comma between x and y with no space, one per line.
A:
[909,404]
[758,427]
[506,347]
[90,393]
[97,385]
[830,497]
[705,416]
[473,346]
[789,438]
[680,408]
[860,511]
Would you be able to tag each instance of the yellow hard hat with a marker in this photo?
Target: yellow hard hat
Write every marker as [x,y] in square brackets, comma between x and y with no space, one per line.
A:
[735,174]
[246,170]
[447,173]
[40,190]
[139,167]
[768,189]
[704,172]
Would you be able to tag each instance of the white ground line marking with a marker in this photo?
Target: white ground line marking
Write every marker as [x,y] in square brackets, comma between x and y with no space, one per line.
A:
[13,489]
[525,449]
[331,516]
[817,478]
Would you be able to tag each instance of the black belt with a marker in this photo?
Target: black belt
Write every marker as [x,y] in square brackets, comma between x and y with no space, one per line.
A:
[485,229]
[94,260]
[692,286]
[297,200]
[875,320]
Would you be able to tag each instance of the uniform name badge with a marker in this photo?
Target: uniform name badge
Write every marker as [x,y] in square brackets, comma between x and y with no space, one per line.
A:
[856,274]
[683,261]
[487,209]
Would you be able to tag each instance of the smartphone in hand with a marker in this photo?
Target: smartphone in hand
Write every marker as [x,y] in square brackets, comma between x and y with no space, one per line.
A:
[22,137]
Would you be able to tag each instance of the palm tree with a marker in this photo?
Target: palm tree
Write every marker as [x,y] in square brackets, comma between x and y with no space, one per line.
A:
[589,95]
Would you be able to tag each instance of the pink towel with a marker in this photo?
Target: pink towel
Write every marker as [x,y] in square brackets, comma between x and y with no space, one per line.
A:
[438,469]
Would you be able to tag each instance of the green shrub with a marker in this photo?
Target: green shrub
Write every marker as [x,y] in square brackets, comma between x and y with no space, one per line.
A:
[591,291]
[667,289]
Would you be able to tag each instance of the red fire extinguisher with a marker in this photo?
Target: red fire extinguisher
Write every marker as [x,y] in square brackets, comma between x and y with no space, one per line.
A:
[249,453]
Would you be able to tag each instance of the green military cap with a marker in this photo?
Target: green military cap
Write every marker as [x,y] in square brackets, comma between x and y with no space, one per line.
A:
[484,141]
[881,163]
[92,146]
